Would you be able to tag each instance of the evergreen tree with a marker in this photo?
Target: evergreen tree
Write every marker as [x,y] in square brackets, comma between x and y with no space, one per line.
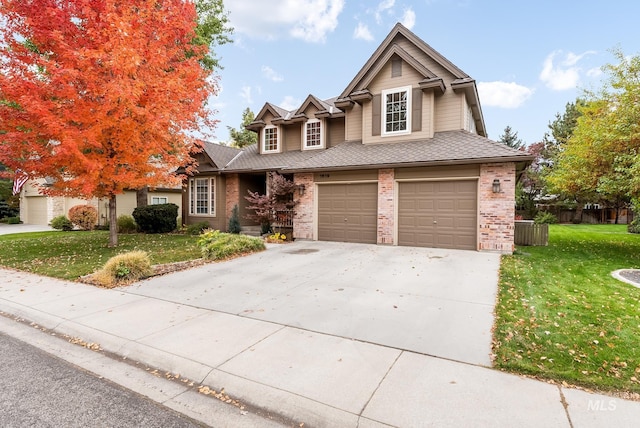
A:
[243,137]
[511,139]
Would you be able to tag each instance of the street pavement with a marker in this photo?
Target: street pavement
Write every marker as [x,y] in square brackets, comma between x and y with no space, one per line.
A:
[307,356]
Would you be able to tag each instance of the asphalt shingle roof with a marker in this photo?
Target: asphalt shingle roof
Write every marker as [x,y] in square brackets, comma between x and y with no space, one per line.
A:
[219,154]
[251,160]
[445,147]
[450,146]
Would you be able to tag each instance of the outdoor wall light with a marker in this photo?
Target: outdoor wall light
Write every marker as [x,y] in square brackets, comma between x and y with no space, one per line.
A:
[496,186]
[301,189]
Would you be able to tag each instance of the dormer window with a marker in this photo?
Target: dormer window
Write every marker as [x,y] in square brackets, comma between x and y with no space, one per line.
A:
[270,143]
[396,111]
[313,134]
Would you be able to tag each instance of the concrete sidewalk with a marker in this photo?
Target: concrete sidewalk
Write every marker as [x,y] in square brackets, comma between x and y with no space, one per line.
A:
[309,377]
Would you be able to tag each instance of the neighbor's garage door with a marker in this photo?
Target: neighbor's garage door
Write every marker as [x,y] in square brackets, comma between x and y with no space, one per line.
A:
[36,210]
[348,212]
[438,214]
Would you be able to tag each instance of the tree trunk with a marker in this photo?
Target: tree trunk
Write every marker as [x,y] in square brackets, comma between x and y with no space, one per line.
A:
[142,197]
[577,218]
[113,223]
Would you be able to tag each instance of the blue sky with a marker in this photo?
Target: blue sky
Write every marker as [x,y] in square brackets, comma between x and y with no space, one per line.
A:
[529,58]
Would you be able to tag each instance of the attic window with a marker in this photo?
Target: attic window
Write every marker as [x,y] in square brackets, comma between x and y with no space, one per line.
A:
[396,67]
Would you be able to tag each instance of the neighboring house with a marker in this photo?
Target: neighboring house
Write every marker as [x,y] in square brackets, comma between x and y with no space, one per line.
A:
[400,157]
[36,208]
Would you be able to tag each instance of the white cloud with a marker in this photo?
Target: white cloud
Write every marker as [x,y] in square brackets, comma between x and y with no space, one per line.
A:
[562,74]
[409,18]
[245,94]
[362,32]
[503,94]
[594,72]
[384,5]
[290,103]
[271,74]
[309,20]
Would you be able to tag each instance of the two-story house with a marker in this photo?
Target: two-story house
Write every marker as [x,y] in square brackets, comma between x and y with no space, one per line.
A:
[400,157]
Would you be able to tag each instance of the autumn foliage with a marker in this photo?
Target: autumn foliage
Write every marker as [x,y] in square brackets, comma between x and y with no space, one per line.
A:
[101,95]
[83,216]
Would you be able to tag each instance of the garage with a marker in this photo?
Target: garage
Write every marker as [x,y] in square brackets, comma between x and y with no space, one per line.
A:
[37,210]
[438,214]
[348,212]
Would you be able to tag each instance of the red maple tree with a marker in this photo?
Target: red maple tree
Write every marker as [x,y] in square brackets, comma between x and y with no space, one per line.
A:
[101,95]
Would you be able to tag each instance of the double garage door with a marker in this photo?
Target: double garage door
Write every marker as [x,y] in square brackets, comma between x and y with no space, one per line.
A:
[437,214]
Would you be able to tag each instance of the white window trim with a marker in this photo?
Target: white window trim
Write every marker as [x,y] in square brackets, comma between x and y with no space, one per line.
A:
[166,200]
[211,208]
[383,115]
[264,140]
[305,145]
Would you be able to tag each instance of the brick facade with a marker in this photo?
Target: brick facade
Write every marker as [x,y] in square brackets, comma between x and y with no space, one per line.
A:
[496,211]
[232,193]
[386,206]
[303,218]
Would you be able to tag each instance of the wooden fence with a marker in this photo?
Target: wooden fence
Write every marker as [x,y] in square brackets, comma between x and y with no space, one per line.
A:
[529,233]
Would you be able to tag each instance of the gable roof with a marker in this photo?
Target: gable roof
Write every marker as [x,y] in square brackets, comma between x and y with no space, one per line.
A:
[387,44]
[220,155]
[388,48]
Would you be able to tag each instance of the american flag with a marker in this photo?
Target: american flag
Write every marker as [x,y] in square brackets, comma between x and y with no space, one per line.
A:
[19,180]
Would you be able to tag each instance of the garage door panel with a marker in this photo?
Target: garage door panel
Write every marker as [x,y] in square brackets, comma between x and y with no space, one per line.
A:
[452,205]
[348,212]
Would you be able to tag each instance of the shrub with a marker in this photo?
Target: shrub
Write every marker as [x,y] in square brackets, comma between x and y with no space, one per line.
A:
[126,224]
[124,269]
[545,217]
[13,220]
[61,222]
[634,226]
[234,220]
[216,245]
[84,216]
[160,218]
[197,228]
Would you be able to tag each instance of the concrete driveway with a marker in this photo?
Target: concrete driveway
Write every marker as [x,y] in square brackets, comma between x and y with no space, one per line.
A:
[431,301]
[6,229]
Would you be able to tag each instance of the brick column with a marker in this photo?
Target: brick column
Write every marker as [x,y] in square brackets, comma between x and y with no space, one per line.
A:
[303,218]
[386,206]
[496,210]
[232,193]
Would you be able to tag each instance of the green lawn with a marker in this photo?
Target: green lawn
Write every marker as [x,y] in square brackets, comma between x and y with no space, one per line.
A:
[561,316]
[69,255]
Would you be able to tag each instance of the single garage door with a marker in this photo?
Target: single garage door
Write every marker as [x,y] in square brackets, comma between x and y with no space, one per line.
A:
[36,210]
[438,214]
[348,212]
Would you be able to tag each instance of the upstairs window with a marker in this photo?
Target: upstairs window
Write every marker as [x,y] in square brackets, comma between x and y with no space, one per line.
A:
[270,139]
[396,111]
[313,134]
[202,196]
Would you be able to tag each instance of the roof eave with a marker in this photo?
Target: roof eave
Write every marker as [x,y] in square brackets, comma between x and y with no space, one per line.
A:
[526,159]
